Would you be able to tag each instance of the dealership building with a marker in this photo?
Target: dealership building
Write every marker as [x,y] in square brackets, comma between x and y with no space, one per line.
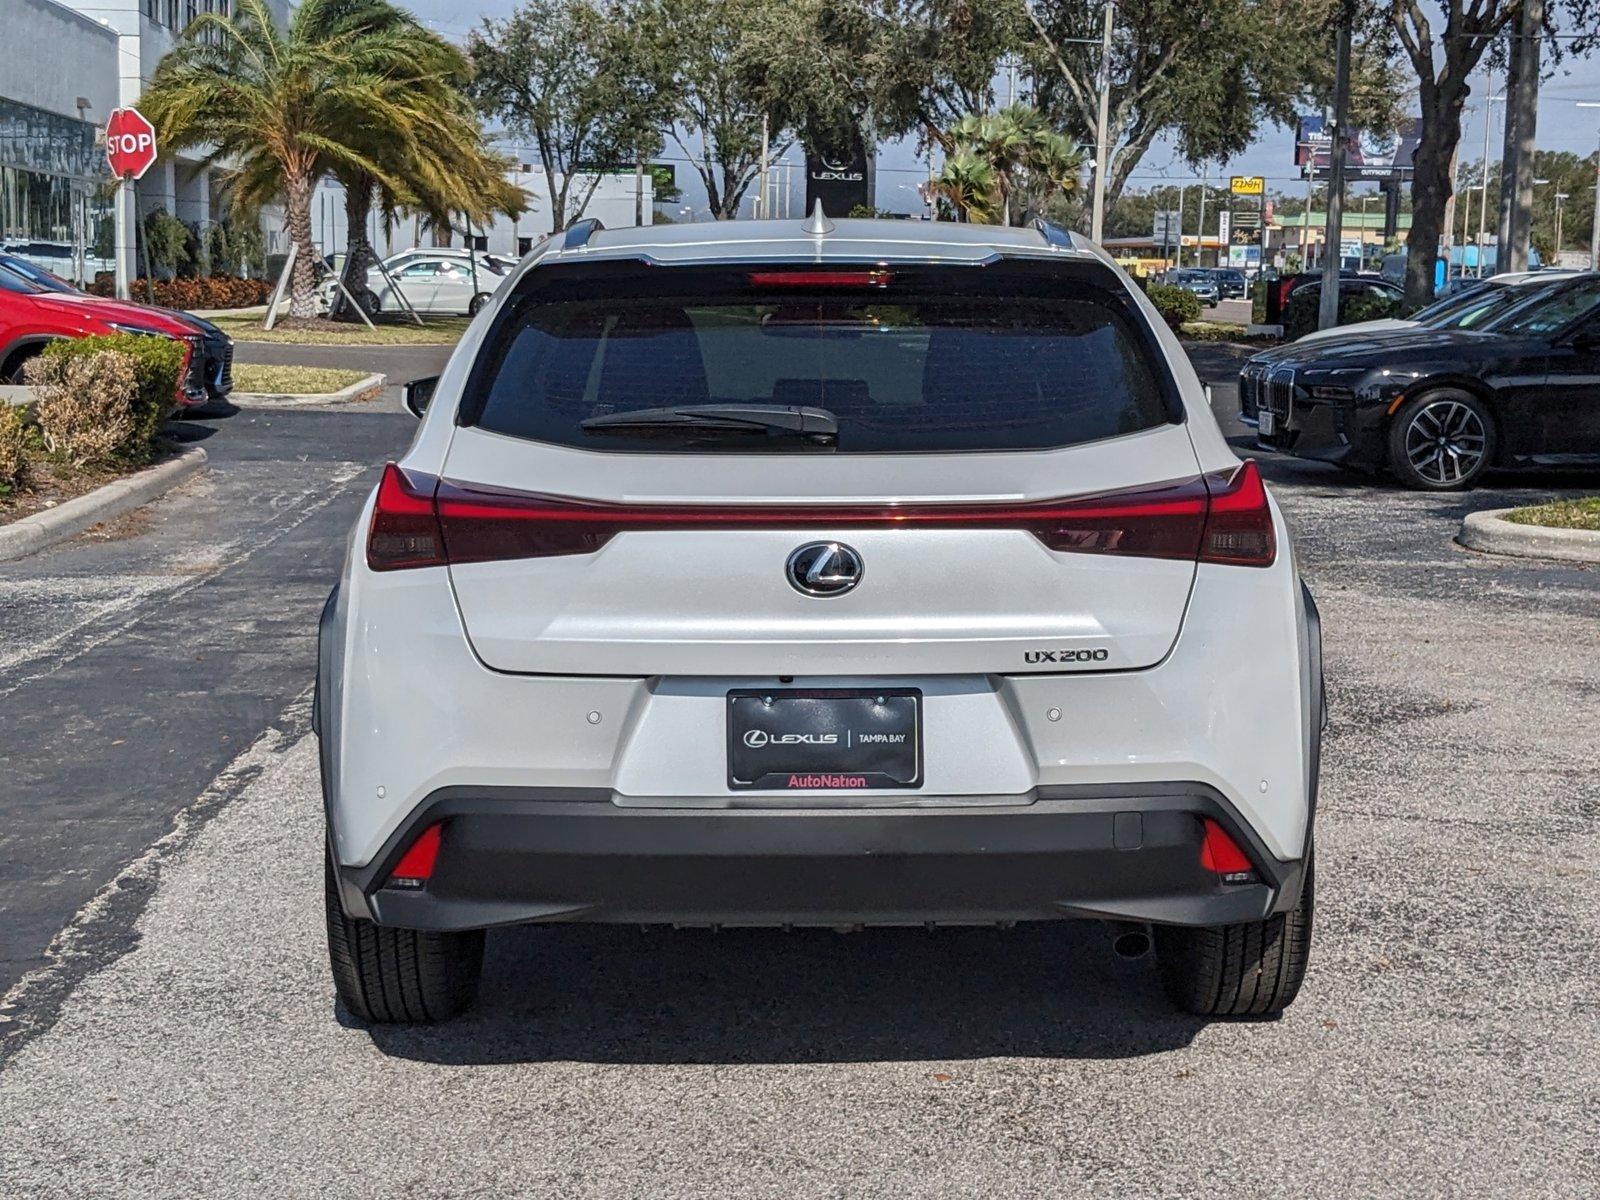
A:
[65,65]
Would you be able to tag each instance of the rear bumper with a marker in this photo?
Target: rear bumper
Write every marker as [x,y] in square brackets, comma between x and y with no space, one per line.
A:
[511,856]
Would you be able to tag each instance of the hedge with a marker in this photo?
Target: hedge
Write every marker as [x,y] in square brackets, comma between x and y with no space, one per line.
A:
[1301,313]
[1176,305]
[158,365]
[208,291]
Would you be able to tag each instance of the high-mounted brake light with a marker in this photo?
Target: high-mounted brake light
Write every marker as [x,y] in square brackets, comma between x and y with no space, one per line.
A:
[421,521]
[876,277]
[416,865]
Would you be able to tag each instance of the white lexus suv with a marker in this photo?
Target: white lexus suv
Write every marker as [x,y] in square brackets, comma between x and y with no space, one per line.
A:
[819,573]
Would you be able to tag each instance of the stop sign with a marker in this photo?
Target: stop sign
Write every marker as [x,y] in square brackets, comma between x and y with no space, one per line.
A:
[130,143]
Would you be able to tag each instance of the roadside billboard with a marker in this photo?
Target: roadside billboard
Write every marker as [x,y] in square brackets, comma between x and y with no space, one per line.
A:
[1370,155]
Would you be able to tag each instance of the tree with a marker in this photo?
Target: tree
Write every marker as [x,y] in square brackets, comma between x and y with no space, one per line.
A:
[1443,62]
[996,160]
[736,62]
[587,84]
[926,63]
[1207,73]
[1565,174]
[278,108]
[437,155]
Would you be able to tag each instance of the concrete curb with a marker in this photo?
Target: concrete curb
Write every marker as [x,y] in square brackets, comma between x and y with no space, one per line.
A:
[287,400]
[1491,533]
[34,533]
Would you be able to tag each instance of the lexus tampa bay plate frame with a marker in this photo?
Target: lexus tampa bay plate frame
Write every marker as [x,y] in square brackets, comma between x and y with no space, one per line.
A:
[842,739]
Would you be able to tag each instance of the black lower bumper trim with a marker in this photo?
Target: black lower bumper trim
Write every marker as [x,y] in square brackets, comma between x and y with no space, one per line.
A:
[513,856]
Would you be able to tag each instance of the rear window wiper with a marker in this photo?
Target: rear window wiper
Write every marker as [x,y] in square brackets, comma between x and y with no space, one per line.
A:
[695,420]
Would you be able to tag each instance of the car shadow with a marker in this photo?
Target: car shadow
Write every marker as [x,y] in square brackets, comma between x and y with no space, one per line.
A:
[620,995]
[1498,488]
[186,432]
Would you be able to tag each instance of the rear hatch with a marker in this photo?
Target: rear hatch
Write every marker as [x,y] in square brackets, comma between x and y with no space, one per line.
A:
[991,457]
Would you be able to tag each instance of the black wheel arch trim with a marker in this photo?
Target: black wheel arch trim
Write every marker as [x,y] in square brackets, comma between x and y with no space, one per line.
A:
[28,340]
[1317,713]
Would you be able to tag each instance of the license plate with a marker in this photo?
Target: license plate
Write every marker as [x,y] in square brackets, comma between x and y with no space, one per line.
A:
[1269,422]
[825,740]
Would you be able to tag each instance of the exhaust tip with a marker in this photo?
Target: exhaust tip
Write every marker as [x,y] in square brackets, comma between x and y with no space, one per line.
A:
[1132,944]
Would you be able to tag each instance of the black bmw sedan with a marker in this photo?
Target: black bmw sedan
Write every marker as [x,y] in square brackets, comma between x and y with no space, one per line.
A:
[1438,407]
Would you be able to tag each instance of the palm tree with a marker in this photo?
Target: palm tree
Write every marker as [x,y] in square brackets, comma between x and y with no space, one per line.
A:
[279,108]
[998,158]
[443,167]
[968,183]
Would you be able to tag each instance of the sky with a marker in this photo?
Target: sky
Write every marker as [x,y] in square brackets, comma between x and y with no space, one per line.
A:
[1561,126]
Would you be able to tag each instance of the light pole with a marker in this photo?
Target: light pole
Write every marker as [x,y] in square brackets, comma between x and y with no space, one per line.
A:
[1594,233]
[1102,152]
[1483,189]
[1366,199]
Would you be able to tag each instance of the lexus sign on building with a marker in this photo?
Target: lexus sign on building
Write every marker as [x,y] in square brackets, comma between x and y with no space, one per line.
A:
[842,180]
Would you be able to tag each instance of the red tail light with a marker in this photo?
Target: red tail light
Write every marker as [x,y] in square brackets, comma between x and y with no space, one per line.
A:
[1220,854]
[420,521]
[417,863]
[405,527]
[1239,524]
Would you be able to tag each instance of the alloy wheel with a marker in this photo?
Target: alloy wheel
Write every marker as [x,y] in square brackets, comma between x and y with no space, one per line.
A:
[1446,442]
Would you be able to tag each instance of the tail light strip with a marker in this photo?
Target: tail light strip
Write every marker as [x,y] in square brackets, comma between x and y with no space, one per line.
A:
[420,520]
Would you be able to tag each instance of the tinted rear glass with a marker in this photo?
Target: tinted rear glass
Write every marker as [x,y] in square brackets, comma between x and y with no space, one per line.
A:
[920,359]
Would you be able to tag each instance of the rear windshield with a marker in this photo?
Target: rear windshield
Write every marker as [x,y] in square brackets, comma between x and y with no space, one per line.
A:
[905,359]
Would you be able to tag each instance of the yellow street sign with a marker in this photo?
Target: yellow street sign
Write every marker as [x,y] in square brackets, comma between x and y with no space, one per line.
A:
[1249,185]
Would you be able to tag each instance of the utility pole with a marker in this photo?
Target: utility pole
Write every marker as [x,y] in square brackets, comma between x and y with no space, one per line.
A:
[1594,234]
[1328,312]
[1483,185]
[1522,114]
[1200,232]
[1102,152]
[1560,199]
[766,133]
[1179,262]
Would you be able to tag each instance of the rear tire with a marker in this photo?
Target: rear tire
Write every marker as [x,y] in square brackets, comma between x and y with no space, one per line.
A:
[1252,969]
[392,976]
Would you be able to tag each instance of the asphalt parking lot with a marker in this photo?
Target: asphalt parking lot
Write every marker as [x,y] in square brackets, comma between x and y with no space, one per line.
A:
[179,1036]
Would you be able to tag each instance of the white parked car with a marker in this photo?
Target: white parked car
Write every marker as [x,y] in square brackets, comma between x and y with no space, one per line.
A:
[1460,310]
[433,281]
[822,573]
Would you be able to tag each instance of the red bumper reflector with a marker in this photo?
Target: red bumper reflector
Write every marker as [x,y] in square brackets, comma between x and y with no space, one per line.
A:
[1219,853]
[416,864]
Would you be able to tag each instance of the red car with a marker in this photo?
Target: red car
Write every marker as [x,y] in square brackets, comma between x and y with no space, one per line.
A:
[31,317]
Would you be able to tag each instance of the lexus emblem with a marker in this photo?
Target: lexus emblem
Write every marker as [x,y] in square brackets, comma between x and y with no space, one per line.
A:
[824,569]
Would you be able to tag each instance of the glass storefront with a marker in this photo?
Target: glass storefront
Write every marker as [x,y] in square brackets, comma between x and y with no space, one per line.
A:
[56,192]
